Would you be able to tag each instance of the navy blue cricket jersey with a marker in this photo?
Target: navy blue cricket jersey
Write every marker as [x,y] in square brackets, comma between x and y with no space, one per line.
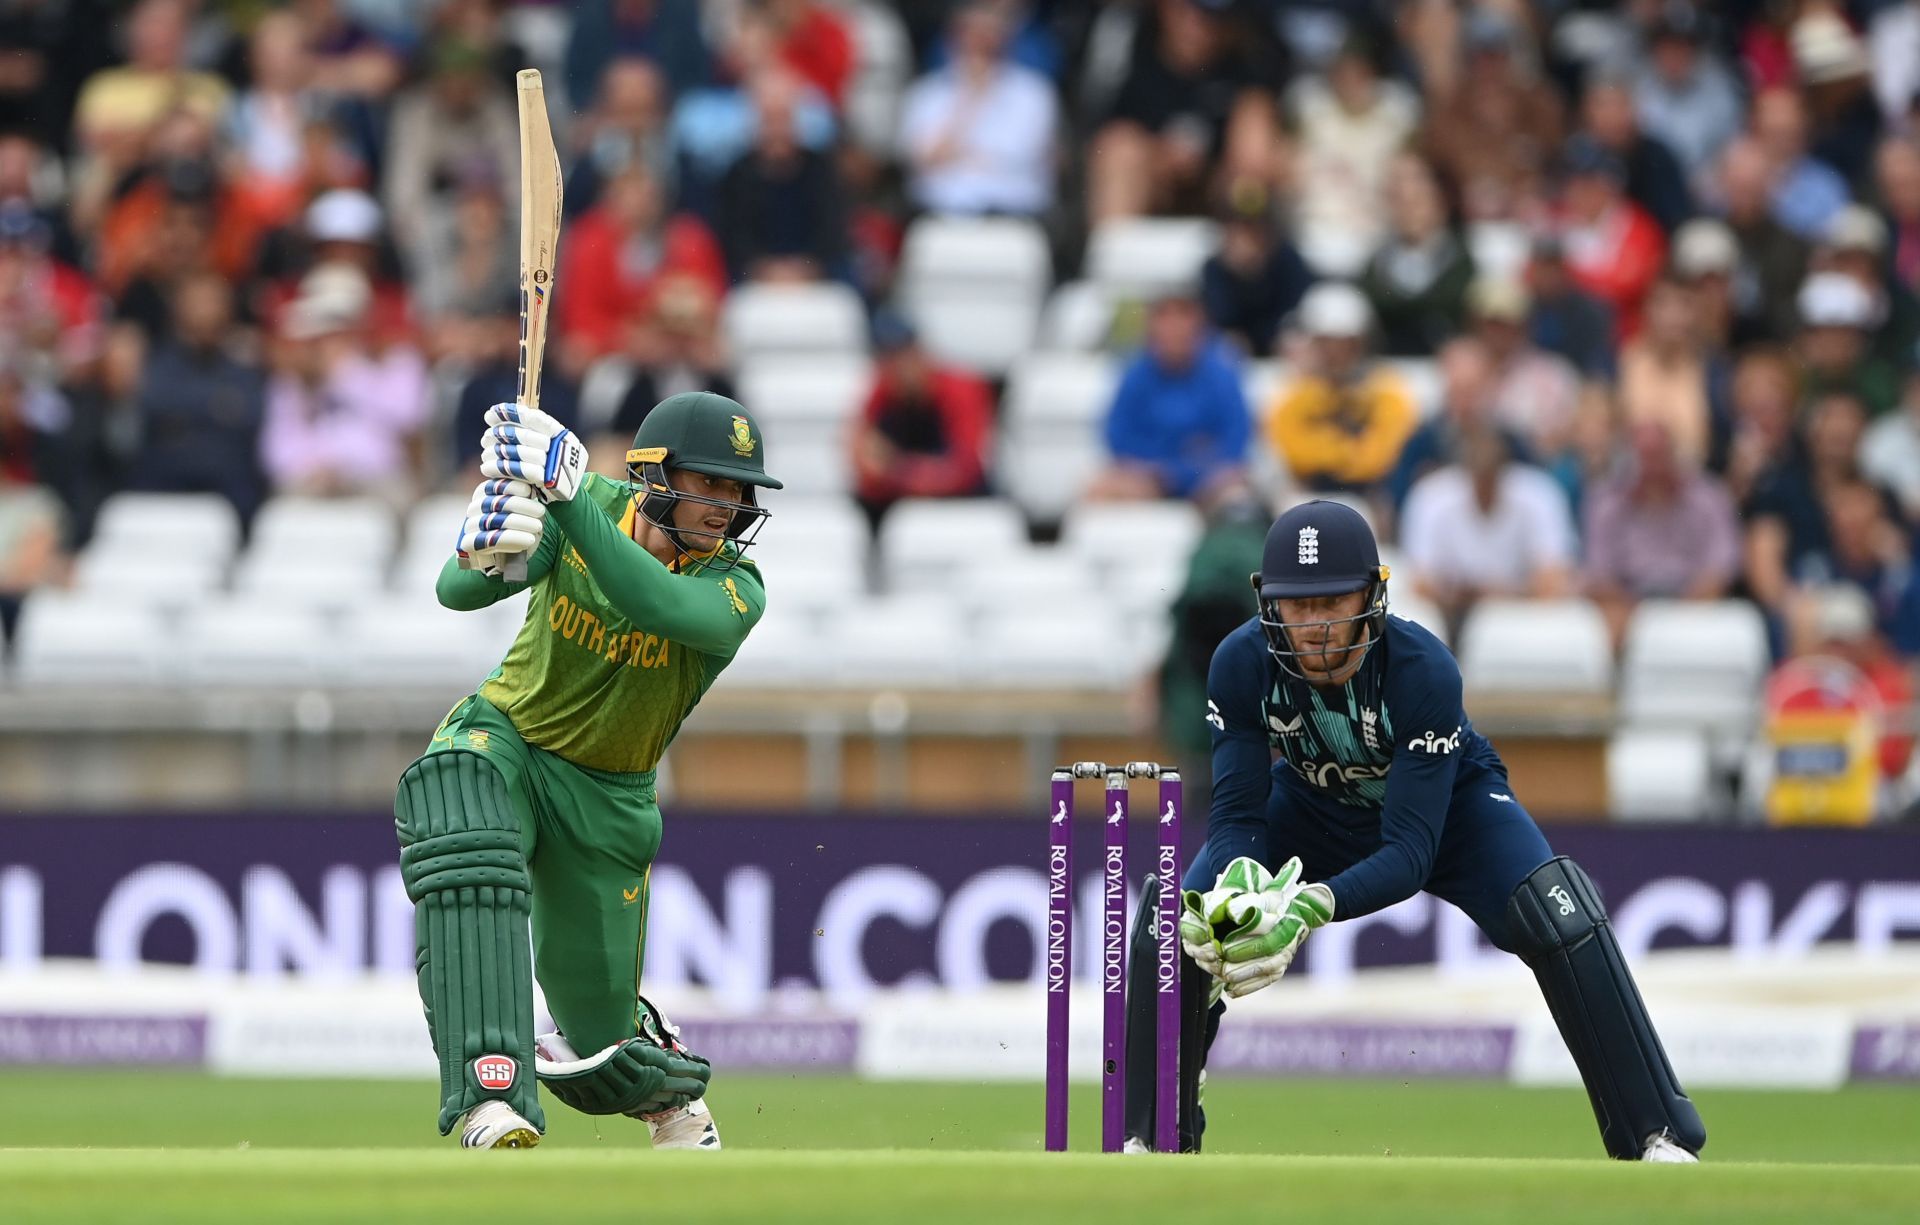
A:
[1379,756]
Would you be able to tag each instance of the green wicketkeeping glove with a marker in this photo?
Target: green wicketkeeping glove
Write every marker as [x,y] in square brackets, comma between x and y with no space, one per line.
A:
[1244,901]
[1261,957]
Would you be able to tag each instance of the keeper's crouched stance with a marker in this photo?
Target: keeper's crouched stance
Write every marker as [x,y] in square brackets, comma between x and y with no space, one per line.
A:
[535,800]
[1347,777]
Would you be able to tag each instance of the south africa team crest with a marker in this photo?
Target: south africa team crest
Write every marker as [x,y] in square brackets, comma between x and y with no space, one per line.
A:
[742,436]
[480,740]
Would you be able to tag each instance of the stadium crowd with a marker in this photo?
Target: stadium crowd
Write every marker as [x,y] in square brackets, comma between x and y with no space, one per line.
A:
[1664,257]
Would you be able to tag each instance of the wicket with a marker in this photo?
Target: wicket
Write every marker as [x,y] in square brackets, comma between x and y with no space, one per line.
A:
[1113,953]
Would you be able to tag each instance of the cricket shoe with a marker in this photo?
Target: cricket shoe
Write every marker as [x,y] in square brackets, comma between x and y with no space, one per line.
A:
[494,1124]
[1661,1148]
[688,1126]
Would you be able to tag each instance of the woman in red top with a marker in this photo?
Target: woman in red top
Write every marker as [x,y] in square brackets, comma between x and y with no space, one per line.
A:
[616,254]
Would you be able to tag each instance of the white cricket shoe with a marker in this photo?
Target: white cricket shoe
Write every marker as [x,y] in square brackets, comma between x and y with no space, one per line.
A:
[1135,1144]
[1662,1148]
[689,1126]
[494,1124]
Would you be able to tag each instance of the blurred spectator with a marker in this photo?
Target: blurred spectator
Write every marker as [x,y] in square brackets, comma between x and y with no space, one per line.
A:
[1467,384]
[118,106]
[1655,180]
[1613,248]
[1772,259]
[31,517]
[50,316]
[1214,601]
[1341,423]
[351,65]
[627,127]
[925,431]
[1487,526]
[1535,394]
[663,32]
[52,49]
[1565,318]
[1686,97]
[1493,137]
[1805,192]
[1032,42]
[679,347]
[1855,245]
[1196,97]
[1347,125]
[1764,396]
[267,125]
[977,135]
[1893,43]
[340,419]
[169,228]
[1658,529]
[612,258]
[345,226]
[470,267]
[1837,317]
[1786,515]
[1832,67]
[1417,280]
[1865,549]
[782,216]
[457,123]
[1257,277]
[1179,423]
[1706,260]
[200,408]
[494,378]
[713,128]
[813,41]
[1664,375]
[1890,450]
[1897,183]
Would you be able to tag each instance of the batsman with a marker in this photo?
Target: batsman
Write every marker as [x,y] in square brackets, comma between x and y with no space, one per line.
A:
[1347,777]
[535,799]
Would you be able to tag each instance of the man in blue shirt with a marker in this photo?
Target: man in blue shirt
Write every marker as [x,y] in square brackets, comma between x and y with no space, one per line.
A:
[1179,424]
[1347,777]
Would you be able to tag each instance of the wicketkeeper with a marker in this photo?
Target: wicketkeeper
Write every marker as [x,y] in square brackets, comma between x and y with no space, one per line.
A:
[536,797]
[1347,777]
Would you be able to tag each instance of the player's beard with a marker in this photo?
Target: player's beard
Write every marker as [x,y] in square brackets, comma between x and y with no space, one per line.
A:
[1326,661]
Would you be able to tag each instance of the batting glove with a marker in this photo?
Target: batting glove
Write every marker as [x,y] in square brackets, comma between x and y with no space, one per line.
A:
[526,444]
[504,522]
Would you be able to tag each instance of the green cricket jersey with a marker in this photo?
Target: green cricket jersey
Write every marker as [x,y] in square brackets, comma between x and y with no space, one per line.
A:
[616,648]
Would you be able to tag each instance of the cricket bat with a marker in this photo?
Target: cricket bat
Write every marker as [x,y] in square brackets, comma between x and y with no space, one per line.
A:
[540,198]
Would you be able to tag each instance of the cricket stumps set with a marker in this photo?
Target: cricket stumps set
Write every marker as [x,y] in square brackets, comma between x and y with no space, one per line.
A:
[1157,995]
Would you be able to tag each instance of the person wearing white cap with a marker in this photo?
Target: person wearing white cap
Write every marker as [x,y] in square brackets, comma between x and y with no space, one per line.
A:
[1832,66]
[1340,425]
[1706,259]
[1837,317]
[1855,245]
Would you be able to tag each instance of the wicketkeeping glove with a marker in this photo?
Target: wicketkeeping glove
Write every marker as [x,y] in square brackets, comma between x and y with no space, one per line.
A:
[1263,954]
[504,524]
[1234,907]
[526,444]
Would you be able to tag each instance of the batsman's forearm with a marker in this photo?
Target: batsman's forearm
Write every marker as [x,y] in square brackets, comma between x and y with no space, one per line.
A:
[468,590]
[689,610]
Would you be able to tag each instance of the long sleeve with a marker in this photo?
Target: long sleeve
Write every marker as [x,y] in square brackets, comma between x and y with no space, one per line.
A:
[1419,790]
[470,590]
[1242,762]
[1129,428]
[706,612]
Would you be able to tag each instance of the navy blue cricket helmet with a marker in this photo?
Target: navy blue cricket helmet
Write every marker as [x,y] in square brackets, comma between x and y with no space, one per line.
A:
[1316,549]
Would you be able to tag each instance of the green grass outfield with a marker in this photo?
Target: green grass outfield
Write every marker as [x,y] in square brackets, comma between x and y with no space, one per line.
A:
[85,1147]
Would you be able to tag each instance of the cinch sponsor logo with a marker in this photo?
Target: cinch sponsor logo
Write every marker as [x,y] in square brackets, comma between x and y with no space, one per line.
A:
[1327,773]
[636,649]
[1431,743]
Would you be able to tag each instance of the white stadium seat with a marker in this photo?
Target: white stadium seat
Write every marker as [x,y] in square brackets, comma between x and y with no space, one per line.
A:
[1077,318]
[337,579]
[1694,664]
[1114,536]
[900,641]
[813,525]
[821,393]
[925,541]
[247,642]
[1038,580]
[1142,256]
[1061,389]
[786,649]
[1536,646]
[90,638]
[168,525]
[314,529]
[1072,648]
[759,320]
[1662,775]
[403,642]
[1044,469]
[162,580]
[974,288]
[882,68]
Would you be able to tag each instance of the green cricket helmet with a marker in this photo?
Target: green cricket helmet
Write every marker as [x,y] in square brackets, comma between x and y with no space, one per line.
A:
[706,433]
